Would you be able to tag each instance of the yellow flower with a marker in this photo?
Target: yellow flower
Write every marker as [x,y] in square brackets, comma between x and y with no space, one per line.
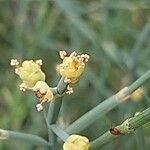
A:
[30,72]
[76,142]
[72,66]
[43,92]
[137,95]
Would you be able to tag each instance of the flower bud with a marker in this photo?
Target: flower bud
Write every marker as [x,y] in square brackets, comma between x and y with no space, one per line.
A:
[43,92]
[30,72]
[72,67]
[76,142]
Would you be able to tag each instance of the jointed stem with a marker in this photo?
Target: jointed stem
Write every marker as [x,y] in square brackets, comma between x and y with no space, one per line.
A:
[104,107]
[54,109]
[125,128]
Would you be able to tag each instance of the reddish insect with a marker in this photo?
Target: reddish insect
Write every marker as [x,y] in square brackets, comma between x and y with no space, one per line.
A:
[114,131]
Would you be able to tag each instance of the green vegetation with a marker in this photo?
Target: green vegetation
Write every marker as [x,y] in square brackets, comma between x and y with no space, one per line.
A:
[115,34]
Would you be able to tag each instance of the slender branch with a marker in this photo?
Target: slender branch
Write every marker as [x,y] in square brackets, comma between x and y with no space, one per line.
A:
[141,38]
[59,132]
[107,105]
[55,106]
[27,138]
[47,124]
[139,82]
[61,87]
[126,127]
[140,119]
[91,116]
[54,109]
[52,116]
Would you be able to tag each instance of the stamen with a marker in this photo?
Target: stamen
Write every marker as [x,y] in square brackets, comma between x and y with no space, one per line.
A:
[39,107]
[62,54]
[39,62]
[14,62]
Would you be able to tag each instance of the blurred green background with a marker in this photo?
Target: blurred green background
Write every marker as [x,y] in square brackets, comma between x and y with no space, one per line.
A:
[116,35]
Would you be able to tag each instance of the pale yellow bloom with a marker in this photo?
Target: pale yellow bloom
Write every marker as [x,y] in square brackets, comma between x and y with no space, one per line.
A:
[137,95]
[76,142]
[43,92]
[33,79]
[72,66]
[30,72]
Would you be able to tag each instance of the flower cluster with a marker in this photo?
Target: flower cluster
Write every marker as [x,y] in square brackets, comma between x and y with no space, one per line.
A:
[33,78]
[76,142]
[72,67]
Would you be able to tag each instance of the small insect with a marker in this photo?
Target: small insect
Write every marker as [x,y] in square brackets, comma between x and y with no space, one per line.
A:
[114,131]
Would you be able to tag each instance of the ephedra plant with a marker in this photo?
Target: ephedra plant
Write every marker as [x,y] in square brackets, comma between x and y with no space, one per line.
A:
[70,70]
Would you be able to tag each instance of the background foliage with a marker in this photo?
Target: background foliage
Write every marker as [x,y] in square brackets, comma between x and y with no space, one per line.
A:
[115,34]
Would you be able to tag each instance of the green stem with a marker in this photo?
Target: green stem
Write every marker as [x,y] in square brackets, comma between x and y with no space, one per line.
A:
[54,109]
[139,139]
[47,124]
[61,87]
[27,138]
[140,119]
[52,116]
[126,127]
[143,79]
[104,107]
[55,106]
[91,116]
[59,132]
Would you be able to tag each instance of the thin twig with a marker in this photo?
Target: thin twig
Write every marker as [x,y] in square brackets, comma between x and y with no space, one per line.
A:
[54,109]
[59,132]
[27,138]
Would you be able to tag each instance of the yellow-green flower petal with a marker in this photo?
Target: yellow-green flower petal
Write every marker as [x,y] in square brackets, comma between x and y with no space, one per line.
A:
[73,66]
[76,142]
[30,72]
[43,92]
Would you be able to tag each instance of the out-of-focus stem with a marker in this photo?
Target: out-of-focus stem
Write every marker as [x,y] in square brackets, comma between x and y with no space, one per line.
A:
[27,138]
